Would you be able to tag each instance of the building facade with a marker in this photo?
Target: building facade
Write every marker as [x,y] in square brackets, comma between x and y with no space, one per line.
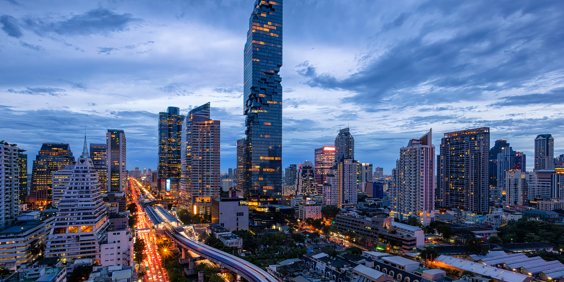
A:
[517,187]
[263,101]
[9,183]
[61,179]
[306,179]
[366,173]
[346,183]
[544,152]
[324,162]
[81,222]
[118,250]
[117,160]
[290,180]
[22,165]
[170,135]
[413,193]
[51,157]
[200,177]
[99,157]
[230,213]
[306,211]
[344,145]
[462,170]
[241,172]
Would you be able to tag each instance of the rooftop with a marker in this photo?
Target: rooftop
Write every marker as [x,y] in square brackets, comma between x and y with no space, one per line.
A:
[405,226]
[525,246]
[21,227]
[368,272]
[478,268]
[399,261]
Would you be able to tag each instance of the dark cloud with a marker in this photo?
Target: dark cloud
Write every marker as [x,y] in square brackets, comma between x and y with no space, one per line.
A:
[32,47]
[39,91]
[554,97]
[106,50]
[10,26]
[480,54]
[98,21]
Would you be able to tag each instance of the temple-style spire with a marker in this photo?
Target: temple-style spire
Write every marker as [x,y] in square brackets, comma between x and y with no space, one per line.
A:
[85,149]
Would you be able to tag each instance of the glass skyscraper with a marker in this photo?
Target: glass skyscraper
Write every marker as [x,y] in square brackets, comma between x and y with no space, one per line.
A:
[170,134]
[98,155]
[344,145]
[117,158]
[51,157]
[22,164]
[263,101]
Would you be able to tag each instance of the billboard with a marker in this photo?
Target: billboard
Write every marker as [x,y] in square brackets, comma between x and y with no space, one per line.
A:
[167,185]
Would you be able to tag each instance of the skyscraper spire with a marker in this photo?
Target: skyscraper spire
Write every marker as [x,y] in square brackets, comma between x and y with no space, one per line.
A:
[85,149]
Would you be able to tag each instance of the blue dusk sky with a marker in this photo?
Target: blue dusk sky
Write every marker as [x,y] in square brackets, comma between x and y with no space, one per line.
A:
[390,70]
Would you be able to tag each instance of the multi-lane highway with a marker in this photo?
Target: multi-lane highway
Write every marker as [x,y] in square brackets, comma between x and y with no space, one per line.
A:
[161,217]
[152,262]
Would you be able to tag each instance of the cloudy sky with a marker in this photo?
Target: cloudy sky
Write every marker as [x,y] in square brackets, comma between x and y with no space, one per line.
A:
[390,70]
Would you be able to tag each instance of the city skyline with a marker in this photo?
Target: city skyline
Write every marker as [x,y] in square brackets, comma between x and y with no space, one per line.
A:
[126,42]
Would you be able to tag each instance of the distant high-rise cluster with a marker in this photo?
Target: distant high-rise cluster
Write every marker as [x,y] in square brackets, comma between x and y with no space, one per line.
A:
[544,152]
[99,157]
[344,145]
[9,184]
[263,101]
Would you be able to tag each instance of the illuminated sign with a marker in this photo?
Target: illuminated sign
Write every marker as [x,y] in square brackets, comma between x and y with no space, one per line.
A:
[328,148]
[168,185]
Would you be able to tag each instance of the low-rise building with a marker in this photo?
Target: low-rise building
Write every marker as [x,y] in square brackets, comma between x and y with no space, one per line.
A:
[118,250]
[367,274]
[20,239]
[309,211]
[230,213]
[382,230]
[112,274]
[497,274]
[550,205]
[225,236]
[45,270]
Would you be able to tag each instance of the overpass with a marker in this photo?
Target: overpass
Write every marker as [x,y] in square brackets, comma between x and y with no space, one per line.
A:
[184,236]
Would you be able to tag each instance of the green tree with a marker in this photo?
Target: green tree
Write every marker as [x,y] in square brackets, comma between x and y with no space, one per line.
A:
[495,240]
[139,249]
[5,272]
[444,230]
[317,223]
[80,273]
[329,251]
[354,251]
[250,242]
[330,211]
[474,246]
[429,254]
[132,208]
[298,238]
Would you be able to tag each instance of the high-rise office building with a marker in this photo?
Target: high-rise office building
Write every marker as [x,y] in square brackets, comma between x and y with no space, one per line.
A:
[346,183]
[9,183]
[544,152]
[51,157]
[462,170]
[200,173]
[517,187]
[22,164]
[61,179]
[331,189]
[413,194]
[378,173]
[263,101]
[505,162]
[366,174]
[499,146]
[520,162]
[241,159]
[117,160]
[559,161]
[81,220]
[324,161]
[344,145]
[170,135]
[290,180]
[306,179]
[230,173]
[99,157]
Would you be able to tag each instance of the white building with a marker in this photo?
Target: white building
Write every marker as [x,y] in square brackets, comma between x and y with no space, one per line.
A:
[18,240]
[550,205]
[116,158]
[366,173]
[118,250]
[112,274]
[516,187]
[413,192]
[81,222]
[230,213]
[309,211]
[9,184]
[412,231]
[330,190]
[346,183]
[60,181]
